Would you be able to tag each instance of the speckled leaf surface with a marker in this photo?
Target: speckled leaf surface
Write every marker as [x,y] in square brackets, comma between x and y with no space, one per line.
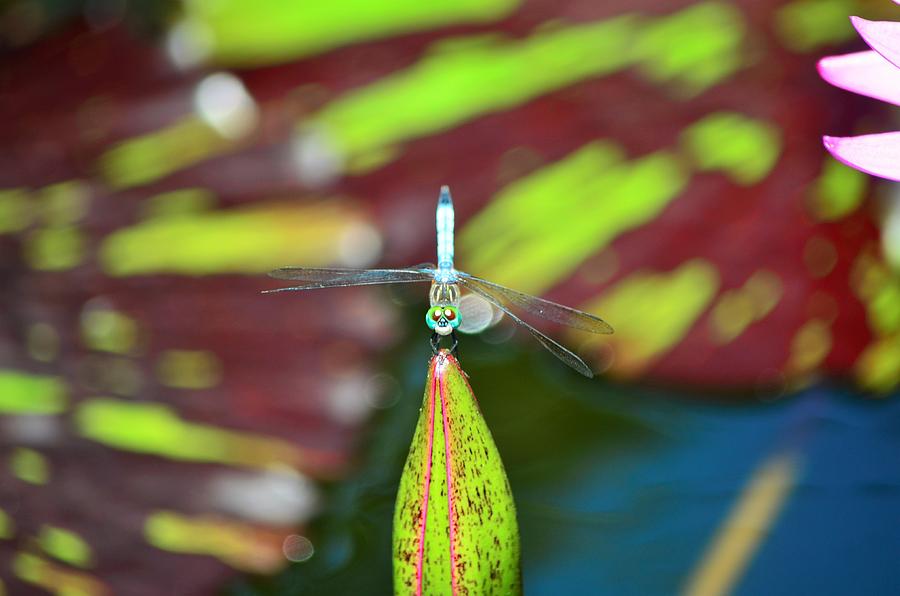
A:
[455,528]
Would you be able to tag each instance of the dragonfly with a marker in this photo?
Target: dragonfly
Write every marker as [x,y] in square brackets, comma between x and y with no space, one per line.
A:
[443,317]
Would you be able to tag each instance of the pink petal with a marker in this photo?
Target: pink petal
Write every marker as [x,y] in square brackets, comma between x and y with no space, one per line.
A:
[882,36]
[878,154]
[866,73]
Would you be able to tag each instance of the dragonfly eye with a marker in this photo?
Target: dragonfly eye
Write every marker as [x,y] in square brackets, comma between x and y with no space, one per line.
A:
[449,314]
[435,314]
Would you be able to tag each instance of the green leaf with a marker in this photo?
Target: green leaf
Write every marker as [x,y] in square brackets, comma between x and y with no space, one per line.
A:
[455,528]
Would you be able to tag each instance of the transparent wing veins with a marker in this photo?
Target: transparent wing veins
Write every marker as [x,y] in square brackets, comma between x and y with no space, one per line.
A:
[554,347]
[314,278]
[539,307]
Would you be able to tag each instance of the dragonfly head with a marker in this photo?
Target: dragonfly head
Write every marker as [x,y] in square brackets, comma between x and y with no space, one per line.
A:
[442,319]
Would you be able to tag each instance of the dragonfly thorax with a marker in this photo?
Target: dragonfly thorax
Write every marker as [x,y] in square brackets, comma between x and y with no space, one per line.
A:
[444,294]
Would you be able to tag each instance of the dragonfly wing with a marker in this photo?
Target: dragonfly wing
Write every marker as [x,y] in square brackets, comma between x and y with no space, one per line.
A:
[539,307]
[558,350]
[313,278]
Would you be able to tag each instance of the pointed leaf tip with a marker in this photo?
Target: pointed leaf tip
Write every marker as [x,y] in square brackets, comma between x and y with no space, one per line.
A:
[455,526]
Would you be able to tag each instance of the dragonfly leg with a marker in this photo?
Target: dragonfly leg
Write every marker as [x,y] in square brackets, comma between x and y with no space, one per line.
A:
[435,343]
[454,349]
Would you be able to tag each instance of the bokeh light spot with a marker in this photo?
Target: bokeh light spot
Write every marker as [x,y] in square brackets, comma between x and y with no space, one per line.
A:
[222,101]
[42,342]
[809,347]
[55,249]
[107,330]
[63,203]
[65,545]
[839,190]
[189,369]
[820,256]
[298,548]
[29,465]
[744,148]
[738,308]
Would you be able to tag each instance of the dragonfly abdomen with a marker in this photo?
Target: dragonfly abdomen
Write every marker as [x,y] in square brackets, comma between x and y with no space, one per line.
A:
[444,219]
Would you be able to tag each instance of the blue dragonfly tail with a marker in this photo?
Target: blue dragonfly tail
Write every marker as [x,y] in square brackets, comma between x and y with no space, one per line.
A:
[444,216]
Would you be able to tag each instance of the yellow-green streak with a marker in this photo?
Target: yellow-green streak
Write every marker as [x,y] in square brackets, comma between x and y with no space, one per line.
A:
[459,82]
[745,528]
[240,545]
[156,429]
[693,49]
[247,240]
[744,148]
[456,82]
[56,579]
[151,156]
[654,311]
[29,465]
[23,393]
[537,230]
[807,25]
[183,201]
[65,545]
[266,31]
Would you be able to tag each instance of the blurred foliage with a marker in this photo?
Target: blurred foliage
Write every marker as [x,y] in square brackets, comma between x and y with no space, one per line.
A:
[165,427]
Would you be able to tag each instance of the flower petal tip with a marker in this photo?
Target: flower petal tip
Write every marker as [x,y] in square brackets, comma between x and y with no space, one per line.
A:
[860,24]
[882,36]
[822,67]
[874,154]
